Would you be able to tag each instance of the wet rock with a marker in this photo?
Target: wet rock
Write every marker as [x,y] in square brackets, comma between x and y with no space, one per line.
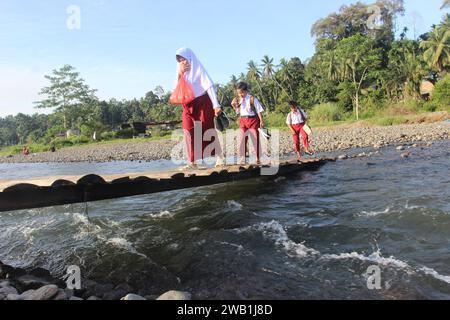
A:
[400,148]
[44,293]
[2,297]
[343,157]
[114,295]
[14,297]
[28,282]
[175,295]
[69,293]
[8,290]
[73,298]
[133,297]
[5,283]
[406,155]
[93,298]
[61,295]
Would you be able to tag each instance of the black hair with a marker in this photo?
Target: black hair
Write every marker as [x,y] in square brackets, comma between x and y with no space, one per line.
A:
[242,86]
[293,104]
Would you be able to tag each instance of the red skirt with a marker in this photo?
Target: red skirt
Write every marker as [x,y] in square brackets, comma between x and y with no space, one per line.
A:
[199,131]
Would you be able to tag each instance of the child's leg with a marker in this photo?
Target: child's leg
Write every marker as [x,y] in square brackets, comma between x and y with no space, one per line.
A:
[243,139]
[296,141]
[254,125]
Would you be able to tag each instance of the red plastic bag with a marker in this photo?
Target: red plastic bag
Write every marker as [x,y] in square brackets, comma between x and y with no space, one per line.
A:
[184,93]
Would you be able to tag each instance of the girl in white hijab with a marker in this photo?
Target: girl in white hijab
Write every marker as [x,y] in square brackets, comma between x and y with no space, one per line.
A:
[199,113]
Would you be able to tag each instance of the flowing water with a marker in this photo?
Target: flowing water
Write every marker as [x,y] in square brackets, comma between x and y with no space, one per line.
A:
[309,236]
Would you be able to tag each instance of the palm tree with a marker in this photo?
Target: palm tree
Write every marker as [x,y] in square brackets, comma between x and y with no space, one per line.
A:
[268,67]
[286,77]
[445,4]
[437,48]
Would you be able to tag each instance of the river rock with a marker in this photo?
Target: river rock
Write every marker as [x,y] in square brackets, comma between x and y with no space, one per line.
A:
[73,298]
[400,148]
[93,298]
[44,293]
[61,295]
[8,290]
[28,282]
[2,297]
[406,155]
[4,283]
[133,297]
[14,297]
[175,296]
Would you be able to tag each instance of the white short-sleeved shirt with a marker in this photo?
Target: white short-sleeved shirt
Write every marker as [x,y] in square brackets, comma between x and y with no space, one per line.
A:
[297,117]
[246,108]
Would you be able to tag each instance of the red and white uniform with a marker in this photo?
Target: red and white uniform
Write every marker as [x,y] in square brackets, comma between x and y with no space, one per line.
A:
[201,109]
[249,125]
[297,121]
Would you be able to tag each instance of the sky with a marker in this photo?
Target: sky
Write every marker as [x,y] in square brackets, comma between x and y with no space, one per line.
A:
[125,48]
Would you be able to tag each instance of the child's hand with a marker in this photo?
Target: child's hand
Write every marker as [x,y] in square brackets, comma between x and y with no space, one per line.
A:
[235,103]
[217,111]
[185,68]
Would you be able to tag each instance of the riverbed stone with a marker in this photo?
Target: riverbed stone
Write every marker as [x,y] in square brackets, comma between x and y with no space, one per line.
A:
[14,297]
[133,297]
[8,290]
[73,298]
[175,295]
[44,293]
[61,295]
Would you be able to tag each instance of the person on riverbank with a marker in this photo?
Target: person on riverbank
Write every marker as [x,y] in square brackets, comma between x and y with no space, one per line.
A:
[199,113]
[25,151]
[296,121]
[251,120]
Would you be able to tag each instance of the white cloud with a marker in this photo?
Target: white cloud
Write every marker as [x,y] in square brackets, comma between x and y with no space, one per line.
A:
[19,88]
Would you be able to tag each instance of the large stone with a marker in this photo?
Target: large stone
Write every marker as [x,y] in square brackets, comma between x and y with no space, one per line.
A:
[4,283]
[8,290]
[44,293]
[2,297]
[175,296]
[28,282]
[14,297]
[93,298]
[75,299]
[133,297]
[61,295]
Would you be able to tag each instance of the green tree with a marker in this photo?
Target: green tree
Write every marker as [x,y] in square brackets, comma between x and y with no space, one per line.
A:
[67,94]
[358,61]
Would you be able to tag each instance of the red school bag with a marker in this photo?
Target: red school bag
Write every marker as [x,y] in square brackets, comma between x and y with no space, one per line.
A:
[183,93]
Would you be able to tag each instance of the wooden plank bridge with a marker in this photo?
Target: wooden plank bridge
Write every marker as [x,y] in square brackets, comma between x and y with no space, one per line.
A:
[61,190]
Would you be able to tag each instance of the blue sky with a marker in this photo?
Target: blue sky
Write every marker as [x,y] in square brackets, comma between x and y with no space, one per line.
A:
[126,48]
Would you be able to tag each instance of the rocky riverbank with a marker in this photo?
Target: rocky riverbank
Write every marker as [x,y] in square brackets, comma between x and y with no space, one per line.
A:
[339,138]
[38,284]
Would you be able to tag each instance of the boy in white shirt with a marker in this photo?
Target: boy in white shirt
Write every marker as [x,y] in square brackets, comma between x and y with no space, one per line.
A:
[250,110]
[296,120]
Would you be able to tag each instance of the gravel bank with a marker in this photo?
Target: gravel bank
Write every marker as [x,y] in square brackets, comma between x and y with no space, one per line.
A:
[338,138]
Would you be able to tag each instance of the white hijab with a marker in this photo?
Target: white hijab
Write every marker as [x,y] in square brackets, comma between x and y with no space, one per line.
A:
[197,76]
